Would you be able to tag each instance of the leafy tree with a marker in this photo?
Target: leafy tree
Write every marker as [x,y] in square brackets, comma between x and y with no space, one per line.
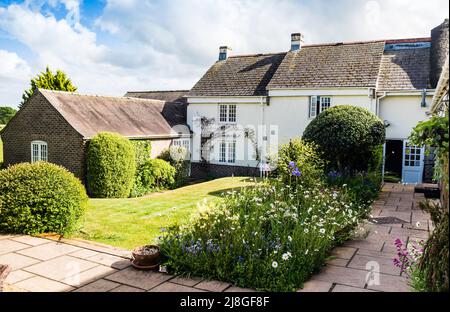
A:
[6,113]
[50,81]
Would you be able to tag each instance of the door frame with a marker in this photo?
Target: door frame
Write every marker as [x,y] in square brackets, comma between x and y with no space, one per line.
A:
[422,155]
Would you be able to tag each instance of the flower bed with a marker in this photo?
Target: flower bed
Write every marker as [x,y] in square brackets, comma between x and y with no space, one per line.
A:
[271,237]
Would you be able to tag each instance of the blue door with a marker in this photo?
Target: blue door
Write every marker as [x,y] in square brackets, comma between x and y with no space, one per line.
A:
[412,170]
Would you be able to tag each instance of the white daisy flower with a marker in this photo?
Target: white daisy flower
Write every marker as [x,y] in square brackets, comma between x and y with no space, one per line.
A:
[274,264]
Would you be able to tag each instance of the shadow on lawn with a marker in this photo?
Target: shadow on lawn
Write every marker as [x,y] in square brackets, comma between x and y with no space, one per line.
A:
[222,192]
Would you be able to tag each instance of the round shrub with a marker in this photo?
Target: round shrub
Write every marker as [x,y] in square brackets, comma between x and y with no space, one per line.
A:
[302,155]
[347,136]
[111,166]
[40,197]
[177,156]
[157,173]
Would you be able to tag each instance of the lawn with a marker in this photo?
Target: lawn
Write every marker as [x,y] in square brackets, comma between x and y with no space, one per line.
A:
[131,222]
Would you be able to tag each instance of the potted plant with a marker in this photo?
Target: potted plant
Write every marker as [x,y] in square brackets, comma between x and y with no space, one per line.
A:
[146,257]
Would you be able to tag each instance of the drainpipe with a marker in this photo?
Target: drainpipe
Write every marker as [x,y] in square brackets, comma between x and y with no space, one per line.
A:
[377,112]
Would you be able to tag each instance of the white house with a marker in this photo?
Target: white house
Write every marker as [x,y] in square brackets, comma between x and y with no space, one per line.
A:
[245,106]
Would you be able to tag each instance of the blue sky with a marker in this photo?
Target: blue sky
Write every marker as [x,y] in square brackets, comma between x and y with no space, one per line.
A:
[112,46]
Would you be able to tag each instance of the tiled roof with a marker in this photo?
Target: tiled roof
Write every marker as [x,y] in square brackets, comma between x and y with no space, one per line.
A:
[130,117]
[168,96]
[330,65]
[405,69]
[239,76]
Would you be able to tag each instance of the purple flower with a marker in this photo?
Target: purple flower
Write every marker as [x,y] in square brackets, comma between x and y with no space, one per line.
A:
[292,164]
[296,172]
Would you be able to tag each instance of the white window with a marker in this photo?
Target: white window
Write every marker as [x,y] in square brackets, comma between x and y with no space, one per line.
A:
[318,104]
[227,113]
[182,143]
[231,152]
[39,151]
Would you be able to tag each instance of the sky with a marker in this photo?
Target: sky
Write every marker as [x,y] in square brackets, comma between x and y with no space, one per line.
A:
[108,47]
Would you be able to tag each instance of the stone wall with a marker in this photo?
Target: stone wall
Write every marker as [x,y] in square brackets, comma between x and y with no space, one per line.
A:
[439,51]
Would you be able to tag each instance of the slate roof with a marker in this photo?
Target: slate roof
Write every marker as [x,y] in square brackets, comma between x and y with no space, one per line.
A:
[405,69]
[330,65]
[130,117]
[246,75]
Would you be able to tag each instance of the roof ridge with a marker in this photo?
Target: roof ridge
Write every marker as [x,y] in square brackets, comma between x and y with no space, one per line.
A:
[256,54]
[96,95]
[404,40]
[154,91]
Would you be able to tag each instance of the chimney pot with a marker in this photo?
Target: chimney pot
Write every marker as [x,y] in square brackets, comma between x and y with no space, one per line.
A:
[296,41]
[223,53]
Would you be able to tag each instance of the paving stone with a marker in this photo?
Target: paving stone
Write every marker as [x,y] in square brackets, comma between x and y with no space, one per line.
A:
[98,286]
[417,226]
[84,253]
[88,276]
[17,261]
[343,252]
[48,251]
[337,262]
[110,260]
[42,284]
[30,240]
[409,232]
[384,264]
[389,208]
[405,216]
[8,245]
[186,281]
[6,236]
[126,288]
[346,276]
[215,286]
[316,286]
[344,288]
[365,244]
[378,228]
[61,268]
[372,253]
[238,289]
[390,283]
[172,287]
[17,276]
[140,279]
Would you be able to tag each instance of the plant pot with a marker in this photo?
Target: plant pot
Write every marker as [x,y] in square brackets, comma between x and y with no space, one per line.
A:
[147,255]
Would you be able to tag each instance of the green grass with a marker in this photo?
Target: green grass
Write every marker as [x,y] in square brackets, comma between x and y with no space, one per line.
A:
[131,222]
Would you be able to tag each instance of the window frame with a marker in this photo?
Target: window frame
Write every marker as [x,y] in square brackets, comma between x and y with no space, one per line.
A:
[229,113]
[42,151]
[317,105]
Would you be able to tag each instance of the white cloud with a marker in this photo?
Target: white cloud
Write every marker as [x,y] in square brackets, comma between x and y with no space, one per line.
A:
[15,72]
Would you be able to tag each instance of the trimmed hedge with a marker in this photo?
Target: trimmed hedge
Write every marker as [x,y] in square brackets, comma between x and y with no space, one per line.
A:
[40,197]
[348,137]
[153,174]
[142,149]
[111,166]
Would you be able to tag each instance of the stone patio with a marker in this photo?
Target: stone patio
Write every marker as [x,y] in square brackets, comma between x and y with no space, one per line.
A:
[43,264]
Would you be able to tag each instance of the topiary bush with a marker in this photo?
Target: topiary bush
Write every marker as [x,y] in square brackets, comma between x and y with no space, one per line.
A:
[302,155]
[111,166]
[347,136]
[142,149]
[40,197]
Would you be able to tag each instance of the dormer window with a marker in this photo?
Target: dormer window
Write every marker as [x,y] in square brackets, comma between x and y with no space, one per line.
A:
[39,151]
[227,113]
